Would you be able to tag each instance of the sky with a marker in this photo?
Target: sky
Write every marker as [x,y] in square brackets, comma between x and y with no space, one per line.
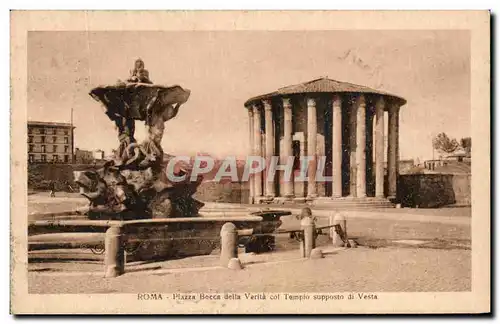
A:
[430,69]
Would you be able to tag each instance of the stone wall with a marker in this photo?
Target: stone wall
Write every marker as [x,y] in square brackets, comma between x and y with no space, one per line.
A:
[40,175]
[434,190]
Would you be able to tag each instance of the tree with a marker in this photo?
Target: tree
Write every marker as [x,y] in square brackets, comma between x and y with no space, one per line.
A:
[466,144]
[442,143]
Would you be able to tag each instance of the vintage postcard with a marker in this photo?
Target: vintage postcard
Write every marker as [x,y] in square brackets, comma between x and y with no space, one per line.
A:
[278,162]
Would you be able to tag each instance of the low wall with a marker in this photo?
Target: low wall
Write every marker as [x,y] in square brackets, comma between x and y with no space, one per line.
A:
[434,190]
[40,175]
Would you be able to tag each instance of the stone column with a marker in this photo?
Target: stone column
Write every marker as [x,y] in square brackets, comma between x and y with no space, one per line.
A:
[336,147]
[379,147]
[257,149]
[370,183]
[361,147]
[353,112]
[392,150]
[268,110]
[312,129]
[287,145]
[250,153]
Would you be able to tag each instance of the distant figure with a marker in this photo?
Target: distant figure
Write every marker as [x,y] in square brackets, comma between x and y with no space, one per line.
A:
[52,189]
[139,73]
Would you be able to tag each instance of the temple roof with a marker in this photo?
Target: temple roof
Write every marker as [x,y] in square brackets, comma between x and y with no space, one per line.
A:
[323,85]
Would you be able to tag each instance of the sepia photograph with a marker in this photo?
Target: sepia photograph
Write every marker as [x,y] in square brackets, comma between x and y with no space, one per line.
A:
[218,165]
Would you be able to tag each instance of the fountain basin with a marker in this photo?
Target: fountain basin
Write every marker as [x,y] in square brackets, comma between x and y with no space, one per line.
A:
[145,239]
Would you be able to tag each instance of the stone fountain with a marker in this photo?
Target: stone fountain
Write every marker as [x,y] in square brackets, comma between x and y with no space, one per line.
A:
[134,186]
[134,183]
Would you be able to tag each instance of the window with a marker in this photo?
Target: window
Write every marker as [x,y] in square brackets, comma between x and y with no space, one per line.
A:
[54,148]
[43,139]
[66,132]
[65,140]
[30,130]
[44,158]
[54,139]
[66,149]
[31,148]
[31,158]
[30,139]
[49,131]
[55,158]
[43,148]
[66,158]
[42,130]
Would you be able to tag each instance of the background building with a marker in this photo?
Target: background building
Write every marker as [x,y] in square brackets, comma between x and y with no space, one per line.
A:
[50,142]
[88,156]
[83,156]
[98,155]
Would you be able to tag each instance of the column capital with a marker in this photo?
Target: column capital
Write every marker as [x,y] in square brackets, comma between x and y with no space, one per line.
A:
[336,98]
[287,103]
[250,112]
[394,108]
[380,102]
[360,99]
[256,109]
[267,104]
[311,102]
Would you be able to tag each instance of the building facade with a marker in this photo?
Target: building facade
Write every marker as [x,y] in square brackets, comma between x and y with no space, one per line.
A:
[50,142]
[98,155]
[340,122]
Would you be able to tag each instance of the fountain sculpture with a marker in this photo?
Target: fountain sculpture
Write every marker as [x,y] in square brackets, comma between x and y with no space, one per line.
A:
[134,184]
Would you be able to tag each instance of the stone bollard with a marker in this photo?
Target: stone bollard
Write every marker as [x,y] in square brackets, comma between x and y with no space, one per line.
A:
[331,222]
[309,240]
[316,253]
[339,219]
[228,244]
[234,264]
[114,258]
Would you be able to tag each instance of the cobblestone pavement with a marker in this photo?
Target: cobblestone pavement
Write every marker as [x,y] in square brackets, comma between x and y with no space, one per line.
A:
[395,255]
[361,269]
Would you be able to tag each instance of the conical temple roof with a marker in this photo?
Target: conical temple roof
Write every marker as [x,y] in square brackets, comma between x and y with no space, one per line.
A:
[323,85]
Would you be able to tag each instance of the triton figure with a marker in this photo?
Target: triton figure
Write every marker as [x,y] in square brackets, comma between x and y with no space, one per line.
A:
[139,73]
